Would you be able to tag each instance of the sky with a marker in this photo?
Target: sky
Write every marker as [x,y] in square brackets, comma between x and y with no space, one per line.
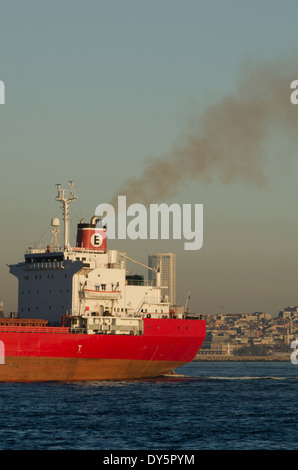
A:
[99,92]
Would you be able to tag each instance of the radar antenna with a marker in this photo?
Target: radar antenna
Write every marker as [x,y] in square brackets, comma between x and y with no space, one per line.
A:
[66,196]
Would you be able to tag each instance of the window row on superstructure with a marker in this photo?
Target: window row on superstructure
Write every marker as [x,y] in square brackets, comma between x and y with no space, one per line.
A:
[39,276]
[37,308]
[50,291]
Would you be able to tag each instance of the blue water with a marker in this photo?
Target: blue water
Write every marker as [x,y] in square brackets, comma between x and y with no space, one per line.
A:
[230,406]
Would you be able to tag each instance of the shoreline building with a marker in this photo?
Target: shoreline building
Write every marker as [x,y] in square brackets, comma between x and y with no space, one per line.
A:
[167,264]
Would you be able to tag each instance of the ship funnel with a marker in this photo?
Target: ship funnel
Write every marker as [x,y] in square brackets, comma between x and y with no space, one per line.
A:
[91,236]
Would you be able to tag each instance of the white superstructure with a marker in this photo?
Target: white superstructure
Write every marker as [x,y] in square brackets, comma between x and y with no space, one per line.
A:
[86,280]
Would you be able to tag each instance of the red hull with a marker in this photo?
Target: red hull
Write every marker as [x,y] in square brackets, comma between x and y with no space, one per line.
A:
[38,354]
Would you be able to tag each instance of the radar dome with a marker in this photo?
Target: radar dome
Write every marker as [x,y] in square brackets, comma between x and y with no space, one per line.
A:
[55,222]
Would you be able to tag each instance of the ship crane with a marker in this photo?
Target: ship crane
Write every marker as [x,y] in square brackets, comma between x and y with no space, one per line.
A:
[155,270]
[186,303]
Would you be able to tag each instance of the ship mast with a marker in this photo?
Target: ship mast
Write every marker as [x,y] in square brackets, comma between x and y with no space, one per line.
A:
[66,196]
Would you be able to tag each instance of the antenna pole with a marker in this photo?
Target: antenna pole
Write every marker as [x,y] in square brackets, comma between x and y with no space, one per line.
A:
[66,196]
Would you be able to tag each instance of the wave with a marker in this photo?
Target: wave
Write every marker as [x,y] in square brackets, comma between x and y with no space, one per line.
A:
[209,377]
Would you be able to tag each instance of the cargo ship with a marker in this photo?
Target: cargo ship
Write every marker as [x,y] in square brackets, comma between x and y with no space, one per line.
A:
[82,317]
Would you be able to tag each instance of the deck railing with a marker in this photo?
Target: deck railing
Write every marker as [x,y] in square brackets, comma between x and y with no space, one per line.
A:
[34,329]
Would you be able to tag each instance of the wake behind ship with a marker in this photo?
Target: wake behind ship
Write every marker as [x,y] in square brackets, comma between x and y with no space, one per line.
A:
[81,317]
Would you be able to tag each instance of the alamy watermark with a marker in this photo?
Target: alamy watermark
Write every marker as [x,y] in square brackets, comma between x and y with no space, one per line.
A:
[294,94]
[2,92]
[159,222]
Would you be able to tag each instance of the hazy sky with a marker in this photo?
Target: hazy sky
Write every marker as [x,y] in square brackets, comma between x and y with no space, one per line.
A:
[95,90]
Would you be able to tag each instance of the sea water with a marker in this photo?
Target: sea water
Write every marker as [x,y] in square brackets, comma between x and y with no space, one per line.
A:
[210,406]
